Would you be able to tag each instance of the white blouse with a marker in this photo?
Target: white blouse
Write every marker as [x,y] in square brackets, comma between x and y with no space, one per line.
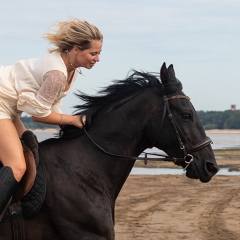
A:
[34,86]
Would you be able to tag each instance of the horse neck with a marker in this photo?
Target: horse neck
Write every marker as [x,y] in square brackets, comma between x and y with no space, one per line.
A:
[121,129]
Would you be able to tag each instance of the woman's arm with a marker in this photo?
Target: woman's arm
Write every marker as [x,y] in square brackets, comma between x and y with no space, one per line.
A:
[62,119]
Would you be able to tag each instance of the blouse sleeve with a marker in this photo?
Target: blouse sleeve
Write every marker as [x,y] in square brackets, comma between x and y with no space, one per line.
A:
[52,87]
[57,107]
[40,104]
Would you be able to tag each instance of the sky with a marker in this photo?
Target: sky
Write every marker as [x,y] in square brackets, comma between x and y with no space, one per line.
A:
[201,38]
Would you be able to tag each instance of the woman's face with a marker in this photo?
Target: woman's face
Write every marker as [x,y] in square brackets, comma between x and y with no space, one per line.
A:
[88,57]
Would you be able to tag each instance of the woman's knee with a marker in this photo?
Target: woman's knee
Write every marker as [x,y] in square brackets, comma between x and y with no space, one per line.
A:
[19,170]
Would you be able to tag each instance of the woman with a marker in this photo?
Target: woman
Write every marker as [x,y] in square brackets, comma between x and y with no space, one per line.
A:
[36,86]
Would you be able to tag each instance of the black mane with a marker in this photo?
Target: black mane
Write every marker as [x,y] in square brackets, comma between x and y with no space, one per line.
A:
[115,93]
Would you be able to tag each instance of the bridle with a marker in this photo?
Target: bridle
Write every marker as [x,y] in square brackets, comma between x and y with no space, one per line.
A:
[187,159]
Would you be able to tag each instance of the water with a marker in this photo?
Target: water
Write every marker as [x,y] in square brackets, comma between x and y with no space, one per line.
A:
[175,171]
[225,140]
[44,135]
[220,141]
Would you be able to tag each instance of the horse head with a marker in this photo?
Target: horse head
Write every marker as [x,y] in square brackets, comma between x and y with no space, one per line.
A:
[181,133]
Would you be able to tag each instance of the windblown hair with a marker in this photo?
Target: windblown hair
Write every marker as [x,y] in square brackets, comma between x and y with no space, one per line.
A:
[73,32]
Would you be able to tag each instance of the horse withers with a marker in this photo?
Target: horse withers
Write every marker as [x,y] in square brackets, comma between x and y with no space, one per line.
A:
[86,171]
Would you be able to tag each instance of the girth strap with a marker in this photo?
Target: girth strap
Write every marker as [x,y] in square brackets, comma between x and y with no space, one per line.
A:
[17,222]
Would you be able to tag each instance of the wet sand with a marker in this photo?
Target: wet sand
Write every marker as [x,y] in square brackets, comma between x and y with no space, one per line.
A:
[175,207]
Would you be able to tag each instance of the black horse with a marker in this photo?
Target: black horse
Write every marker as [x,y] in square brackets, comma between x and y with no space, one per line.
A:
[84,178]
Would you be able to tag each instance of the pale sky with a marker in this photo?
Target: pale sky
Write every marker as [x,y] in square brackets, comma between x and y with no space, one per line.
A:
[201,38]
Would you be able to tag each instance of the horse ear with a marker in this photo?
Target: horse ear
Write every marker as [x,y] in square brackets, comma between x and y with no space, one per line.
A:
[164,73]
[169,81]
[167,74]
[171,71]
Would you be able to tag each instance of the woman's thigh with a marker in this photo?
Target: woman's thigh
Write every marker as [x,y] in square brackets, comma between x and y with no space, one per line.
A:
[11,153]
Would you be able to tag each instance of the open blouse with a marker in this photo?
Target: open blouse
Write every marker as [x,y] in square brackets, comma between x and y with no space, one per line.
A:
[33,86]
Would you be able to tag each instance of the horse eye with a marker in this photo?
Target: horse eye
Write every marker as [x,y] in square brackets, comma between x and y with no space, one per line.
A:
[187,116]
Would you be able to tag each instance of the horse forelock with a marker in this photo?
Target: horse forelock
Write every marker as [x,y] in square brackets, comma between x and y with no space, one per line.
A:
[172,87]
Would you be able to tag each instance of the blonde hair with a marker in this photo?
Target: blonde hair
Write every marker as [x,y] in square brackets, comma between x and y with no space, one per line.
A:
[73,32]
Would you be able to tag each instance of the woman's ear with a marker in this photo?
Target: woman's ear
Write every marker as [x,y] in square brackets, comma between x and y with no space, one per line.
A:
[75,49]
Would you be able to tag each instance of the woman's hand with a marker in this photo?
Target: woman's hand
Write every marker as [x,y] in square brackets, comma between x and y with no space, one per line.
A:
[79,120]
[63,119]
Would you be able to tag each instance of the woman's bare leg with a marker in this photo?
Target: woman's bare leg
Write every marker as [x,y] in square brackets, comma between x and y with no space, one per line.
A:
[19,126]
[11,153]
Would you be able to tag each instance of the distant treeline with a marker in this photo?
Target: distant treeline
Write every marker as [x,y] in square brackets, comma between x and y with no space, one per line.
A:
[30,124]
[210,120]
[220,120]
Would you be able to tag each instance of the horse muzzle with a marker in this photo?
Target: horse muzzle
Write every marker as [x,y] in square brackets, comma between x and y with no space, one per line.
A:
[203,173]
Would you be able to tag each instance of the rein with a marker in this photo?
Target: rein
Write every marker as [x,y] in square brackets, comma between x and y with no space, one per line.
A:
[187,159]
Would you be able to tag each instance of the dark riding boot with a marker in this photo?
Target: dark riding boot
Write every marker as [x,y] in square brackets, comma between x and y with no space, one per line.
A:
[31,141]
[8,185]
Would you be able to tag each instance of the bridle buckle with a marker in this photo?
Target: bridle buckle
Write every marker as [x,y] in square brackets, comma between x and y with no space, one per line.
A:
[188,162]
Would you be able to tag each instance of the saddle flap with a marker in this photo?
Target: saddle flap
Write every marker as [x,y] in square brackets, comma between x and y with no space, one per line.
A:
[30,174]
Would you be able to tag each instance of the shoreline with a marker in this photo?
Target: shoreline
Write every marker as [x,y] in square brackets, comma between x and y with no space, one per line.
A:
[49,130]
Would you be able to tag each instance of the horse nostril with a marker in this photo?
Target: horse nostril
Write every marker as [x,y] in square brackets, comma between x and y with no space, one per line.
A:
[211,167]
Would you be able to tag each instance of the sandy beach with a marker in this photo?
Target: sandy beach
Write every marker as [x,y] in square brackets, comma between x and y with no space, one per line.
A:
[222,131]
[174,207]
